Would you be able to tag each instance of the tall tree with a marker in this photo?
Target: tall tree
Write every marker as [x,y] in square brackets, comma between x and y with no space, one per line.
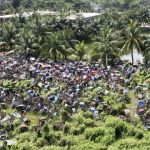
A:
[132,39]
[1,6]
[8,34]
[146,51]
[25,43]
[53,47]
[105,47]
[80,49]
[16,3]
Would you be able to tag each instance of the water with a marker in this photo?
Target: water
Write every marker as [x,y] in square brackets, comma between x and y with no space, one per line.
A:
[137,56]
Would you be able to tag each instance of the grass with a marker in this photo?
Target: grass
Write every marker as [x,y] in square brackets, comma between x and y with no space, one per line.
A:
[1,143]
[133,104]
[33,117]
[9,110]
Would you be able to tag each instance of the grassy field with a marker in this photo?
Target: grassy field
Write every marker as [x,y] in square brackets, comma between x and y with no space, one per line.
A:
[132,106]
[33,117]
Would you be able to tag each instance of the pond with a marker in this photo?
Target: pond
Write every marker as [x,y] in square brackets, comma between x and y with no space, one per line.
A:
[137,56]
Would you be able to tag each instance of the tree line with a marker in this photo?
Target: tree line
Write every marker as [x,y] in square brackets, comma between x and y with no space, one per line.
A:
[105,37]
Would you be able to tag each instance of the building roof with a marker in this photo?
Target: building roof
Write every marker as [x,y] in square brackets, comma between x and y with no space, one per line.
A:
[27,14]
[82,15]
[71,17]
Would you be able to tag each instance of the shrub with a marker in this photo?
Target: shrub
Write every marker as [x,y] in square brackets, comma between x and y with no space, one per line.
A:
[127,143]
[88,146]
[46,128]
[131,131]
[109,137]
[89,122]
[66,128]
[26,146]
[93,133]
[52,148]
[49,138]
[17,122]
[75,131]
[67,141]
[40,142]
[88,114]
[78,118]
[139,135]
[65,116]
[82,128]
[118,131]
[26,137]
[52,137]
[119,126]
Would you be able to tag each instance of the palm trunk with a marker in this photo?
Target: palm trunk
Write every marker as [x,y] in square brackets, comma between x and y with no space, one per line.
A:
[10,46]
[132,56]
[55,57]
[65,57]
[106,60]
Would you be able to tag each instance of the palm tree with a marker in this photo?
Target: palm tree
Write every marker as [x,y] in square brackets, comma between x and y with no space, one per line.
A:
[132,39]
[25,42]
[146,51]
[1,6]
[80,49]
[8,34]
[143,16]
[105,47]
[53,47]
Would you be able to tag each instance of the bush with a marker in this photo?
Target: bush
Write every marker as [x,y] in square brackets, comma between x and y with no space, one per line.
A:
[67,141]
[109,137]
[26,146]
[49,138]
[65,116]
[127,143]
[139,135]
[119,126]
[93,133]
[89,122]
[26,137]
[78,118]
[66,128]
[135,132]
[75,131]
[88,114]
[40,142]
[52,137]
[88,146]
[52,148]
[46,128]
[17,122]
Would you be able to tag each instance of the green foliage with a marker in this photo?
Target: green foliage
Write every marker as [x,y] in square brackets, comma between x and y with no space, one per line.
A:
[26,146]
[55,38]
[127,143]
[26,137]
[40,142]
[65,116]
[93,133]
[16,3]
[89,122]
[78,117]
[67,141]
[66,128]
[88,146]
[87,115]
[46,128]
[52,148]
[8,84]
